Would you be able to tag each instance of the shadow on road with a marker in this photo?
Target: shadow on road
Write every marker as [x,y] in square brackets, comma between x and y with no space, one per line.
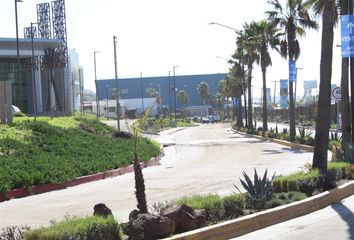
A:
[292,149]
[272,151]
[347,215]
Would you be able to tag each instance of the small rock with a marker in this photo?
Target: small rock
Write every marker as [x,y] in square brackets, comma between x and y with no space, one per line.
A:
[101,210]
[185,217]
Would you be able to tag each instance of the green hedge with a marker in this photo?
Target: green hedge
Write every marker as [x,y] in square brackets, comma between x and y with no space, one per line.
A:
[217,208]
[63,148]
[89,228]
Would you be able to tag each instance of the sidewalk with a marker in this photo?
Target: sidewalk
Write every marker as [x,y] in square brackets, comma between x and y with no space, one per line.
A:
[333,222]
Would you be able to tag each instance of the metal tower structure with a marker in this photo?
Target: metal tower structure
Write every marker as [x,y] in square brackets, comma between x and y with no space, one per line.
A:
[59,31]
[27,32]
[43,19]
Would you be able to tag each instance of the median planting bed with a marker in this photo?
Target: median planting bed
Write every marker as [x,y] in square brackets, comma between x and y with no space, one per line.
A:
[59,149]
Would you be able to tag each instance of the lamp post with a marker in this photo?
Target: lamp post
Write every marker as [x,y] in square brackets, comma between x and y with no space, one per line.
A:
[107,92]
[142,92]
[34,90]
[239,33]
[298,68]
[97,106]
[169,94]
[18,51]
[116,81]
[174,91]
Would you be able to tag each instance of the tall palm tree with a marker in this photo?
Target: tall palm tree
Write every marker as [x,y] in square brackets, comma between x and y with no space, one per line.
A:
[234,84]
[250,56]
[183,98]
[294,18]
[329,18]
[225,92]
[203,90]
[265,36]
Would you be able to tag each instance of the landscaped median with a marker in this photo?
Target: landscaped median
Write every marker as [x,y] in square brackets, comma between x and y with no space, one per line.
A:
[243,225]
[282,142]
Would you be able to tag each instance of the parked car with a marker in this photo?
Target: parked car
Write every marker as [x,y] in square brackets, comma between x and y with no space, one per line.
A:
[205,120]
[214,118]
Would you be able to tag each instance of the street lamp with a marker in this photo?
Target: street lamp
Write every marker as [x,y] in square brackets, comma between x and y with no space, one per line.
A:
[238,32]
[107,91]
[116,81]
[18,51]
[97,106]
[298,68]
[142,92]
[34,90]
[174,91]
[169,94]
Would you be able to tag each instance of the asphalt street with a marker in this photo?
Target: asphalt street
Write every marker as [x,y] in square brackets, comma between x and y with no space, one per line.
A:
[203,159]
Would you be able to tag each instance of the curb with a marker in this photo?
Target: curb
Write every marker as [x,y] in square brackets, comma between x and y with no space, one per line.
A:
[43,188]
[243,225]
[278,141]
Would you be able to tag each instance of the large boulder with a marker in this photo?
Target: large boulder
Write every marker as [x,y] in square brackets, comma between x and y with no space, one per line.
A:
[149,226]
[185,217]
[101,210]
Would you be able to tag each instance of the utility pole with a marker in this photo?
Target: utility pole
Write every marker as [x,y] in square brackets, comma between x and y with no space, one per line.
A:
[116,80]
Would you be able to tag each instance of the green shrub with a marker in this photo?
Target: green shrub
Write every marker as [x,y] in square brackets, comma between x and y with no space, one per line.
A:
[283,198]
[211,203]
[337,171]
[259,191]
[59,149]
[13,233]
[89,228]
[234,205]
[299,181]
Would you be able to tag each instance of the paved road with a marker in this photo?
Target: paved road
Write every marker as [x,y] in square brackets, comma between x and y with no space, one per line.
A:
[331,223]
[207,158]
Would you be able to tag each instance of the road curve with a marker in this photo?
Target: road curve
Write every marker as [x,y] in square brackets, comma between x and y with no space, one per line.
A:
[207,158]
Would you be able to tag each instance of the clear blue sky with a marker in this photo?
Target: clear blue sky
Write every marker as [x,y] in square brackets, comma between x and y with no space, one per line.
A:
[155,35]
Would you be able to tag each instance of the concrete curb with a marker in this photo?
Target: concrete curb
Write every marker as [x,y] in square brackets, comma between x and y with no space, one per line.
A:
[43,188]
[278,141]
[240,226]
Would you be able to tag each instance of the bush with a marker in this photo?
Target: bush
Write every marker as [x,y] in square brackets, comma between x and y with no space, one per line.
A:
[211,203]
[299,181]
[234,205]
[13,233]
[337,171]
[279,199]
[89,228]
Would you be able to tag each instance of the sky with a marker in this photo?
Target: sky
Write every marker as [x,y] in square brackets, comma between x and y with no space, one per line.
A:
[155,35]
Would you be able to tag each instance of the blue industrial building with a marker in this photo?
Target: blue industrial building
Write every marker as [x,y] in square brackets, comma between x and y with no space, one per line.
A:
[135,88]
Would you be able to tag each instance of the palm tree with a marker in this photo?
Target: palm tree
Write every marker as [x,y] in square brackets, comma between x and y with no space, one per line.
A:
[265,36]
[293,19]
[203,90]
[250,56]
[225,93]
[324,99]
[183,98]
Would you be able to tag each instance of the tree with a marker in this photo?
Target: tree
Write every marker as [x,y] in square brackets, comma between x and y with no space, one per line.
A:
[203,91]
[183,98]
[265,36]
[293,19]
[324,98]
[249,57]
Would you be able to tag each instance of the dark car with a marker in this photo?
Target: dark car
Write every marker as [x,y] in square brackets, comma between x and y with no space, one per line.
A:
[214,118]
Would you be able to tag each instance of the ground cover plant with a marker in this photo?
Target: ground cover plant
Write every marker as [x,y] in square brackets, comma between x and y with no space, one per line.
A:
[75,228]
[55,150]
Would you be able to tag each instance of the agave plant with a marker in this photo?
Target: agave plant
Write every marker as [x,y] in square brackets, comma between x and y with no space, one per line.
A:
[259,191]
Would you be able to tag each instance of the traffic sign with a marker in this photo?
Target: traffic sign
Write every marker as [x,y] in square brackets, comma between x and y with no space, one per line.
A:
[347,38]
[292,71]
[337,93]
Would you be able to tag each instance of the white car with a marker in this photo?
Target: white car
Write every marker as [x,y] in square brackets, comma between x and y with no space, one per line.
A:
[15,109]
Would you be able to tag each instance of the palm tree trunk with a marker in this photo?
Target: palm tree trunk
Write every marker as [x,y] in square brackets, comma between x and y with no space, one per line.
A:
[249,90]
[324,101]
[265,114]
[292,112]
[345,107]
